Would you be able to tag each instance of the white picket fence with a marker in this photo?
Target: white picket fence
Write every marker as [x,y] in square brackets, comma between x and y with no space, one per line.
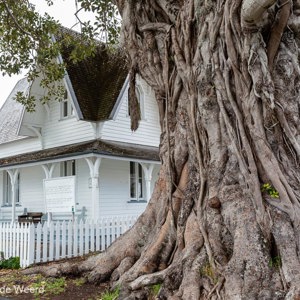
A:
[35,243]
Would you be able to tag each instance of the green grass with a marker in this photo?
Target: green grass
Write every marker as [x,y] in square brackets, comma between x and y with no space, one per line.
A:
[155,289]
[110,295]
[275,262]
[49,286]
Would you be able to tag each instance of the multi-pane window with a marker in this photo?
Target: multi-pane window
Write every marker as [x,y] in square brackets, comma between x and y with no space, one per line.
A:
[137,182]
[7,189]
[66,107]
[68,168]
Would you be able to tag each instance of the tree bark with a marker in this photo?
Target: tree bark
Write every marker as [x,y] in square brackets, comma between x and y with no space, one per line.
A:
[226,78]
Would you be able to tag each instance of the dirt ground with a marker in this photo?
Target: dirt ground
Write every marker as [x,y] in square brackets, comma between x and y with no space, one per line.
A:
[15,285]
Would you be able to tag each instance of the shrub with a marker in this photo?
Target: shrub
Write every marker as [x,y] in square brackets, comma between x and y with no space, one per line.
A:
[11,263]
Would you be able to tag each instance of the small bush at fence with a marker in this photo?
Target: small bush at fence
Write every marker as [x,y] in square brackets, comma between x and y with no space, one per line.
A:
[11,263]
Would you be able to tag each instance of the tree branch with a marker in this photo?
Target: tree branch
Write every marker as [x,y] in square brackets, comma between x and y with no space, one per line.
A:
[14,19]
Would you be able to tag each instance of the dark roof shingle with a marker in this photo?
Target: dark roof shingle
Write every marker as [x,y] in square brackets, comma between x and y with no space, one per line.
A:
[97,80]
[105,148]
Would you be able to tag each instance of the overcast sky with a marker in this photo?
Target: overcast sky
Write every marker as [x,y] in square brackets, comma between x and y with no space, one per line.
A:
[63,10]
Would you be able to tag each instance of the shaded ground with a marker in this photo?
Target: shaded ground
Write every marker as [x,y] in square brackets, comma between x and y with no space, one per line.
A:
[15,285]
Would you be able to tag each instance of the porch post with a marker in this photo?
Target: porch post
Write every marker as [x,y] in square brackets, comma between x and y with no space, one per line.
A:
[94,165]
[148,170]
[49,169]
[13,175]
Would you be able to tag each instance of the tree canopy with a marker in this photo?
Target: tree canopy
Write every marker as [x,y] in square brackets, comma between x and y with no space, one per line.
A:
[28,41]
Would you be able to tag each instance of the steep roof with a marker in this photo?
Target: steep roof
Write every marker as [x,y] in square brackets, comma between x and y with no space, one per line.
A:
[11,113]
[97,81]
[100,147]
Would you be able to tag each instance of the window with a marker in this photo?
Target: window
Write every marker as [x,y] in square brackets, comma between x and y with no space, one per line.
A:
[137,182]
[7,189]
[68,168]
[140,98]
[66,107]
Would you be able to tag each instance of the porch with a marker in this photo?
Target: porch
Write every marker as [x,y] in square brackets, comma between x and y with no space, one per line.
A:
[102,179]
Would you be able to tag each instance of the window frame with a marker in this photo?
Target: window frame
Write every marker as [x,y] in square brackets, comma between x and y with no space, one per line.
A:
[68,168]
[66,108]
[138,179]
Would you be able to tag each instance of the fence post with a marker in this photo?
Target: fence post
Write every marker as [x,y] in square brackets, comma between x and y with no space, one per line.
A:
[38,245]
[81,240]
[51,241]
[63,239]
[1,237]
[92,236]
[87,246]
[75,239]
[45,242]
[70,239]
[31,244]
[98,235]
[57,240]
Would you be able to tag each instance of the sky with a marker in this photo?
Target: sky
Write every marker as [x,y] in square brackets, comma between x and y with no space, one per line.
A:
[62,10]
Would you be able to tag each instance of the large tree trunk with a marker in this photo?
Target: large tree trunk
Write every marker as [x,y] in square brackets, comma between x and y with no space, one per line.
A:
[226,78]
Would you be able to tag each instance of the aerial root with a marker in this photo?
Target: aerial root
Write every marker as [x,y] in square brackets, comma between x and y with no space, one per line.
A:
[149,279]
[124,266]
[217,288]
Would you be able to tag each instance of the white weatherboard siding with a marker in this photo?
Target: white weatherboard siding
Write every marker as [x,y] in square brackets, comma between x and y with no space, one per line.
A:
[31,189]
[83,192]
[114,190]
[31,192]
[1,188]
[114,187]
[148,132]
[59,132]
[20,147]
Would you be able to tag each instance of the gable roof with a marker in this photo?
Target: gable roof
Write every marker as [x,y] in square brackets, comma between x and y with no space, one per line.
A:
[96,84]
[100,147]
[11,114]
[96,81]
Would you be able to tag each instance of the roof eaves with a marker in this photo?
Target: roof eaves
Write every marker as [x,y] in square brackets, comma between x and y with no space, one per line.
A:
[124,155]
[20,121]
[116,107]
[69,86]
[73,96]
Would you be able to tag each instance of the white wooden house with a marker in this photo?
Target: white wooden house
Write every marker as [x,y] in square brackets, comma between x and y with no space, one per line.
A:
[78,158]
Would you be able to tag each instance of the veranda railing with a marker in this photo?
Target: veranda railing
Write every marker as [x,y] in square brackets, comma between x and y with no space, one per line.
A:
[35,243]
